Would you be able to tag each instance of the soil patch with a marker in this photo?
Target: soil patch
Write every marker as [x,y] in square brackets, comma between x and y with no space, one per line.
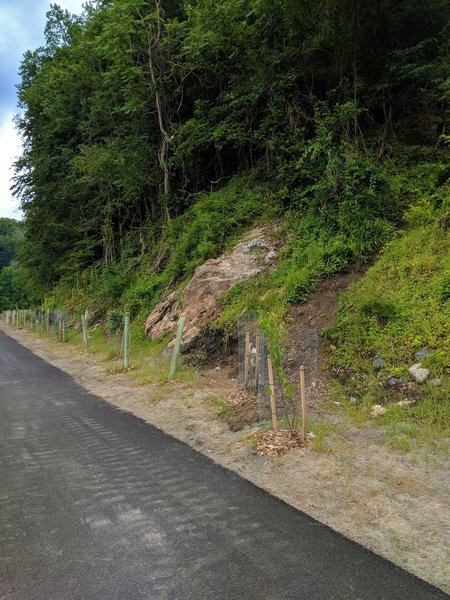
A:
[242,410]
[317,312]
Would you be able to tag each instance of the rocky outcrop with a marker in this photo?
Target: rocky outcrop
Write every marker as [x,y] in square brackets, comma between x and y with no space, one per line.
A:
[199,302]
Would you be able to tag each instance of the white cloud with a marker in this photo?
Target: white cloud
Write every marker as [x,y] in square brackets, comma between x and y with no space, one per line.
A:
[13,33]
[22,27]
[10,149]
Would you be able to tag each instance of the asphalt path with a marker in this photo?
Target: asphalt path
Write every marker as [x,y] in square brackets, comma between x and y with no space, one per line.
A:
[96,504]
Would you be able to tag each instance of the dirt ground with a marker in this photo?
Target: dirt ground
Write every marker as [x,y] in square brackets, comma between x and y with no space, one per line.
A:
[395,504]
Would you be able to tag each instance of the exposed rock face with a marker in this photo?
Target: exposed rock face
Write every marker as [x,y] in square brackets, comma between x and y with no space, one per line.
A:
[163,318]
[199,303]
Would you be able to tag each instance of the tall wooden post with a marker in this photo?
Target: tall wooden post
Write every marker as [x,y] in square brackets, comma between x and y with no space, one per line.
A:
[246,358]
[303,402]
[272,395]
[257,358]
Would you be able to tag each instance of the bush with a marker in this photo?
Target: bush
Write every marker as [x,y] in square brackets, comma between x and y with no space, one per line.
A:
[114,322]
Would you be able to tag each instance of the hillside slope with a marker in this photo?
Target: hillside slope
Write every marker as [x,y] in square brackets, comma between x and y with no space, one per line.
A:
[155,137]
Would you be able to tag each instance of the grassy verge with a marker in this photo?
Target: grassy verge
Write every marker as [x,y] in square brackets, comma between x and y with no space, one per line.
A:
[401,306]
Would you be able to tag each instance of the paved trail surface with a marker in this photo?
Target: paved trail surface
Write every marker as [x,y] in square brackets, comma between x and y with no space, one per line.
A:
[97,505]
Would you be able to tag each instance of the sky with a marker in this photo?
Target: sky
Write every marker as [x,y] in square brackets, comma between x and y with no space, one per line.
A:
[22,25]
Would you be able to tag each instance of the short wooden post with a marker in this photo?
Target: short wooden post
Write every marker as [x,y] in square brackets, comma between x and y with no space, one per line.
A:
[63,330]
[176,350]
[126,341]
[48,320]
[272,395]
[303,402]
[246,358]
[257,358]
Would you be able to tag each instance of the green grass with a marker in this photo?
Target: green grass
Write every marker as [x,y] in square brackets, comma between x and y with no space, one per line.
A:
[148,365]
[320,441]
[223,408]
[401,305]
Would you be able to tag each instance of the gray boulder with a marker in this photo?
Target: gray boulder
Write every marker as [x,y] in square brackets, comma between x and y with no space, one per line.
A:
[418,373]
[378,363]
[421,354]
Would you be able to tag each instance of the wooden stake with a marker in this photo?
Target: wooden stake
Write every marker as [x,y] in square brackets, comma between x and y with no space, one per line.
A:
[272,395]
[303,402]
[257,353]
[63,330]
[246,358]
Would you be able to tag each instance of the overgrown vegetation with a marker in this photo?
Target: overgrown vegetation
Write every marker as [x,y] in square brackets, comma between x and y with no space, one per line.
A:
[401,306]
[135,111]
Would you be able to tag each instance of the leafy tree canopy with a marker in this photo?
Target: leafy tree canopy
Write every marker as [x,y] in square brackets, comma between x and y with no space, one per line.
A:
[135,107]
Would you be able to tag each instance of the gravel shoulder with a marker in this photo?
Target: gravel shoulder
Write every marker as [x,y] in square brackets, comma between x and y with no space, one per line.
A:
[395,504]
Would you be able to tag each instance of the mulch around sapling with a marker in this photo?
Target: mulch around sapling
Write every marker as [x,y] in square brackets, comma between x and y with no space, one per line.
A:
[276,443]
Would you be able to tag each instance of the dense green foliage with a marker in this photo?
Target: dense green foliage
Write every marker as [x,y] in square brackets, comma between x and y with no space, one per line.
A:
[15,289]
[135,111]
[11,232]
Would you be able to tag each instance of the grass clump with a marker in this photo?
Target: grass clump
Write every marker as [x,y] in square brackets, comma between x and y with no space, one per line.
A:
[319,442]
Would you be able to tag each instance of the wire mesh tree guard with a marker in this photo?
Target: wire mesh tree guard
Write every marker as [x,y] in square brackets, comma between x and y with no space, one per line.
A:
[253,351]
